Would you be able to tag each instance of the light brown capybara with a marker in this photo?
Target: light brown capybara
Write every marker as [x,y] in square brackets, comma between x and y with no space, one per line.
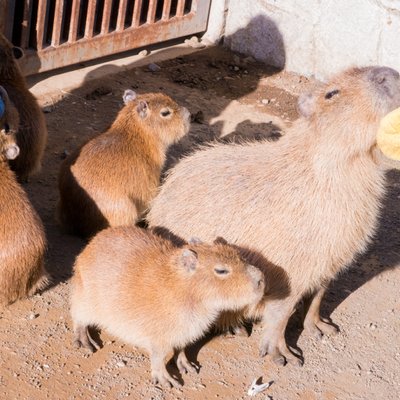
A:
[309,203]
[32,132]
[150,293]
[22,236]
[111,179]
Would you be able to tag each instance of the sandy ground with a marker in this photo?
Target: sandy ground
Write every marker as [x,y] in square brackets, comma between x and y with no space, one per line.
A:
[233,98]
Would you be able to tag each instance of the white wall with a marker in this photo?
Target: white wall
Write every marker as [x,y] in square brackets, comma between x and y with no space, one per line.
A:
[315,37]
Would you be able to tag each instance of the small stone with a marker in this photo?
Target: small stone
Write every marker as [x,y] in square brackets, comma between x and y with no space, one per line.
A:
[236,68]
[47,109]
[372,326]
[153,67]
[144,53]
[121,364]
[32,315]
[265,101]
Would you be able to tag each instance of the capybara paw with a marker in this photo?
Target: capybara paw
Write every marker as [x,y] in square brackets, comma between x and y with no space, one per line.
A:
[83,339]
[320,328]
[164,379]
[184,365]
[280,354]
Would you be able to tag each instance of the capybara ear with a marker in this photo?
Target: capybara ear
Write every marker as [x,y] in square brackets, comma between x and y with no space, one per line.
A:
[188,260]
[12,152]
[142,108]
[306,104]
[195,240]
[220,240]
[129,95]
[17,52]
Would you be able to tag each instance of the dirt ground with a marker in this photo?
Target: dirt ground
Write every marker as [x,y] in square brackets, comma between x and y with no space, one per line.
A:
[232,98]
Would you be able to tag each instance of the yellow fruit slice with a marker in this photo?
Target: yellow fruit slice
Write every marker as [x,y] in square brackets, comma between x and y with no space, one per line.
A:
[388,138]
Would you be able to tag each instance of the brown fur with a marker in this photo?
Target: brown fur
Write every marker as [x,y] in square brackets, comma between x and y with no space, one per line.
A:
[153,294]
[309,202]
[22,236]
[32,133]
[112,178]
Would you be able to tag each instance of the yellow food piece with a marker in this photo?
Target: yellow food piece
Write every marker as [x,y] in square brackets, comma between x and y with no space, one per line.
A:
[388,138]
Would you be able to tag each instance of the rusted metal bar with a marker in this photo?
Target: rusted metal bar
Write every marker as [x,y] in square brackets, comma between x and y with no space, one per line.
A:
[58,18]
[166,10]
[73,26]
[151,14]
[26,24]
[121,15]
[136,13]
[105,23]
[180,8]
[41,23]
[90,18]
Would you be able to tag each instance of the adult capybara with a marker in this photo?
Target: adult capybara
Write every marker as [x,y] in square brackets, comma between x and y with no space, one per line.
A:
[309,202]
[32,132]
[112,178]
[153,294]
[22,238]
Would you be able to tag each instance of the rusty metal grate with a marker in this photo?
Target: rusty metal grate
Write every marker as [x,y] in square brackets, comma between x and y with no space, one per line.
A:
[56,33]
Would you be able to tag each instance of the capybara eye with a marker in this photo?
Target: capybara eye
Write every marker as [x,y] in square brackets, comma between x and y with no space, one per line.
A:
[165,112]
[7,128]
[332,93]
[221,271]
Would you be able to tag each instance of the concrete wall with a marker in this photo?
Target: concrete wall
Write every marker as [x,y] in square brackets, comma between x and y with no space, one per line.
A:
[315,37]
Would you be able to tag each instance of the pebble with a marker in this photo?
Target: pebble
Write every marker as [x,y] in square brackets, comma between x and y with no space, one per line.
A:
[121,364]
[153,67]
[265,101]
[144,53]
[32,315]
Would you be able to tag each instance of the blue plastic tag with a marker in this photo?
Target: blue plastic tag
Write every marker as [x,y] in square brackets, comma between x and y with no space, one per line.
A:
[2,107]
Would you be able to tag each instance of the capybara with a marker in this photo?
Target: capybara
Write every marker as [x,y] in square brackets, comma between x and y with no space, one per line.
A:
[150,293]
[309,202]
[22,236]
[32,132]
[111,179]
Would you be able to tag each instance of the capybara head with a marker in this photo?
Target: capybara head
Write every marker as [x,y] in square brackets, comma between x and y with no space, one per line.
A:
[8,55]
[347,110]
[159,114]
[218,274]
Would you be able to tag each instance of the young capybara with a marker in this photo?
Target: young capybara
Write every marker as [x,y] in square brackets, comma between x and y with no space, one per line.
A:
[22,236]
[155,295]
[112,178]
[32,132]
[309,203]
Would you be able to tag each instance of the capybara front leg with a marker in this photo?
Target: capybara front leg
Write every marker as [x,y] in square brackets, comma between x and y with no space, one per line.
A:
[313,323]
[273,342]
[159,373]
[83,339]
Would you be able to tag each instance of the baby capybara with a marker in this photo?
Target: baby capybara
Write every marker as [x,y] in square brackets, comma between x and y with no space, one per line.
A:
[111,179]
[22,236]
[150,293]
[32,133]
[309,203]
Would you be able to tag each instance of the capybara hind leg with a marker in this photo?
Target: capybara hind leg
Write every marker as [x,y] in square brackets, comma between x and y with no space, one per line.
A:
[159,373]
[83,339]
[275,319]
[313,323]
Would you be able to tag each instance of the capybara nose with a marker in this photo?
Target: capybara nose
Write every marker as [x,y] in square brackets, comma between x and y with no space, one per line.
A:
[380,74]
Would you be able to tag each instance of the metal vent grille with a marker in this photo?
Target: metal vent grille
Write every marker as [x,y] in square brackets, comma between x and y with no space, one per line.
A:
[56,33]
